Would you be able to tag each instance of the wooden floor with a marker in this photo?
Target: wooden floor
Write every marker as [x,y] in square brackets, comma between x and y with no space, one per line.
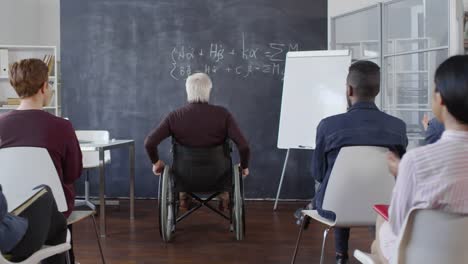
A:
[204,238]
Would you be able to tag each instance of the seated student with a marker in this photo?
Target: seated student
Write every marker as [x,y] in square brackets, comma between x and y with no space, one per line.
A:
[30,126]
[433,176]
[37,225]
[434,129]
[363,125]
[198,124]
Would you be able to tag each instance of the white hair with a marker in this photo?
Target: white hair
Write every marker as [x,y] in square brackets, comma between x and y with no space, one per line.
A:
[198,88]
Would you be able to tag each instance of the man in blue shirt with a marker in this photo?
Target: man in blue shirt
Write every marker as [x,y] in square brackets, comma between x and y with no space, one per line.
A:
[362,125]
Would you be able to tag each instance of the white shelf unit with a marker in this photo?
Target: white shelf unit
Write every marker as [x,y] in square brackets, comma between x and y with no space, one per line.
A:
[18,52]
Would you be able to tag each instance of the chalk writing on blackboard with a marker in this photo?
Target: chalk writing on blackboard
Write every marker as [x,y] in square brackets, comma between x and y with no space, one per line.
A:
[218,58]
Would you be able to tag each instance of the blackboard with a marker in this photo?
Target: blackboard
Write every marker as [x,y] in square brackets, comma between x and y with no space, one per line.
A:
[124,63]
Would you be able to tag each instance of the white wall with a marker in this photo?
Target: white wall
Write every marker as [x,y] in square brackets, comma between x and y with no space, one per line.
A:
[19,22]
[50,23]
[30,22]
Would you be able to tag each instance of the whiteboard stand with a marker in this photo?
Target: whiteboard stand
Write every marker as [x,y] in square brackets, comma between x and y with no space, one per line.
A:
[281,180]
[309,98]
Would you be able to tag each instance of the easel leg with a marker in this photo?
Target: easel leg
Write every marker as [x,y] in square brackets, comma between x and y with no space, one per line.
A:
[281,180]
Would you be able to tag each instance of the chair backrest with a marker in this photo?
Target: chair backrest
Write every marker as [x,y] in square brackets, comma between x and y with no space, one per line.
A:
[93,135]
[202,169]
[359,179]
[24,168]
[91,158]
[433,237]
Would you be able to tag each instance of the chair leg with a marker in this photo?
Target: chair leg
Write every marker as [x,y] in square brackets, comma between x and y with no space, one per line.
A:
[87,186]
[98,239]
[67,257]
[91,205]
[325,233]
[301,228]
[87,201]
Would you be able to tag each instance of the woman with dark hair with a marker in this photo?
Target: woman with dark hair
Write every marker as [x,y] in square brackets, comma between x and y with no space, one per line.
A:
[434,176]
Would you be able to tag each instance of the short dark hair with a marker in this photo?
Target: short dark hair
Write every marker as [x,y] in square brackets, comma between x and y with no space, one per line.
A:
[27,76]
[451,81]
[364,78]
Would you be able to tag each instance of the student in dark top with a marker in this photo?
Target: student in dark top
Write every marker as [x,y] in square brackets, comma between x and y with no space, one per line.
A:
[198,124]
[30,126]
[39,224]
[362,125]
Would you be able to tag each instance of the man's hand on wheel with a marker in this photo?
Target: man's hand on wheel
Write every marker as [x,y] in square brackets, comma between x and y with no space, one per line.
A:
[158,167]
[245,172]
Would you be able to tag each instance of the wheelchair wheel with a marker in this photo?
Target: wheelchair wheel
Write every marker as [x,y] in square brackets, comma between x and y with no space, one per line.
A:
[238,212]
[166,206]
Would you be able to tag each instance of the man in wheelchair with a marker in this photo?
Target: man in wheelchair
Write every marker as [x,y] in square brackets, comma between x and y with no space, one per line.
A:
[200,133]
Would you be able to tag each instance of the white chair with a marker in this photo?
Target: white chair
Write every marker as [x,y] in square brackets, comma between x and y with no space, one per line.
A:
[366,258]
[18,189]
[23,169]
[359,179]
[43,253]
[91,158]
[429,237]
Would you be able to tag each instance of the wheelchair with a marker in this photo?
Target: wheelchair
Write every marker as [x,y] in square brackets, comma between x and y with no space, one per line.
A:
[200,171]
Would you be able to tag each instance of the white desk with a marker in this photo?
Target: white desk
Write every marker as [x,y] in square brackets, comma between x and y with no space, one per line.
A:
[101,147]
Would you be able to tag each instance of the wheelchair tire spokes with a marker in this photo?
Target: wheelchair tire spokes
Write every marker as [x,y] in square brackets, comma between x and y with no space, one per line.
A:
[166,206]
[238,208]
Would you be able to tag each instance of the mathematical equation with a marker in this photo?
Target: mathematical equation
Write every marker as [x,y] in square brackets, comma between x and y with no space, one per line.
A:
[217,58]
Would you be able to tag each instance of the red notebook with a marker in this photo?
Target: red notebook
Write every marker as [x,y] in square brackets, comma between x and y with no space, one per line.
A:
[382,210]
